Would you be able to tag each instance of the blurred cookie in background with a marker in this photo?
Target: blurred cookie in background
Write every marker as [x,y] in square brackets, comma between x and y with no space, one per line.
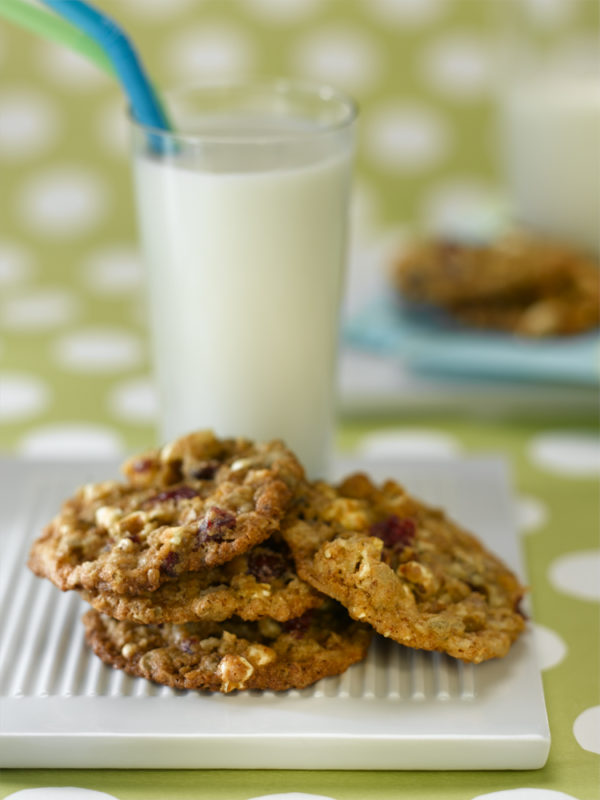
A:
[519,283]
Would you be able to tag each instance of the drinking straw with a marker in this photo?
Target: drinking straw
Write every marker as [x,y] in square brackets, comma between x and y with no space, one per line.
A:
[55,29]
[96,36]
[145,105]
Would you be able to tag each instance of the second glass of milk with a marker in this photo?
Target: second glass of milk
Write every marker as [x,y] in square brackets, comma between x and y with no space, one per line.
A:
[243,216]
[549,125]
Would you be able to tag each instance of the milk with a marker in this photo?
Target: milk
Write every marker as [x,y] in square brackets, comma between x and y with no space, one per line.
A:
[551,137]
[245,271]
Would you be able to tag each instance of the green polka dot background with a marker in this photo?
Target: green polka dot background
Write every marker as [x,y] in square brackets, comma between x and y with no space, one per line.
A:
[75,378]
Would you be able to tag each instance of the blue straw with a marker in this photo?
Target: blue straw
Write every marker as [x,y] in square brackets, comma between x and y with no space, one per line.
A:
[145,105]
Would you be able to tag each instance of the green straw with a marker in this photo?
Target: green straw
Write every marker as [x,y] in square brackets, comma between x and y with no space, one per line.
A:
[49,26]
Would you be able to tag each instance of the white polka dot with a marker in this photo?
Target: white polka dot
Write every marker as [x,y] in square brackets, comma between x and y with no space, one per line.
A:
[71,440]
[525,793]
[113,270]
[134,401]
[406,13]
[63,201]
[550,647]
[586,729]
[98,350]
[409,444]
[567,453]
[465,208]
[409,138]
[159,9]
[28,124]
[15,264]
[341,56]
[209,50]
[531,514]
[577,574]
[59,793]
[39,310]
[550,13]
[459,65]
[69,69]
[277,12]
[21,396]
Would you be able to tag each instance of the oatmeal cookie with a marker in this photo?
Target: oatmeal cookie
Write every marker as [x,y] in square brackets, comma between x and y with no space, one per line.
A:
[522,284]
[403,567]
[233,654]
[259,583]
[195,503]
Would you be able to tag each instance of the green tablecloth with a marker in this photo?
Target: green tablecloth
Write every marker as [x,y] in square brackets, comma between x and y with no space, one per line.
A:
[556,481]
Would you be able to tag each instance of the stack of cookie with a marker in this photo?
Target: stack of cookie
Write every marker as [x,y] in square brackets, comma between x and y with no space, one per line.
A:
[216,565]
[189,580]
[521,284]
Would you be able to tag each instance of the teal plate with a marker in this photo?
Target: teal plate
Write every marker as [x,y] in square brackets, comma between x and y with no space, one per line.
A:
[431,343]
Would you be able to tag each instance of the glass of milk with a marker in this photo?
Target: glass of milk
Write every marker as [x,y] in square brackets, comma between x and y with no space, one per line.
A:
[551,134]
[549,115]
[243,218]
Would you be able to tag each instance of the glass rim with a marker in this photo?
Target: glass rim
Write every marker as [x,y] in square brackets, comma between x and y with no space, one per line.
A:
[277,87]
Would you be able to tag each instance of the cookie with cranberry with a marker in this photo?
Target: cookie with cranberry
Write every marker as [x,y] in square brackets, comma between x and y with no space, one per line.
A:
[405,568]
[196,503]
[232,654]
[259,583]
[520,283]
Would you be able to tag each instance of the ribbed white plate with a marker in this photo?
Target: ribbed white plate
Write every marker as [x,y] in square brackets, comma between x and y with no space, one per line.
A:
[400,709]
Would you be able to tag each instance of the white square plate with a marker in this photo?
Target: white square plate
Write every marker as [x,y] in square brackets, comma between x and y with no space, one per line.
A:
[400,709]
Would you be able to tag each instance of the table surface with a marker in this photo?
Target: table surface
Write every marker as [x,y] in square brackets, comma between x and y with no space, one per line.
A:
[555,473]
